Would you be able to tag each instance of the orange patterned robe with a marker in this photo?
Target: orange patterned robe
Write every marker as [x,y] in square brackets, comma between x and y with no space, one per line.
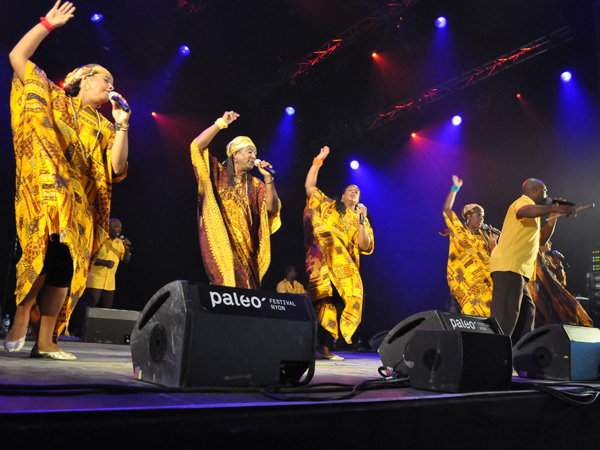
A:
[333,258]
[233,224]
[468,271]
[553,303]
[57,190]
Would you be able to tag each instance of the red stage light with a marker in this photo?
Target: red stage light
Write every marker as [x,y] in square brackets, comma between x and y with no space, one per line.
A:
[414,135]
[374,55]
[154,114]
[518,95]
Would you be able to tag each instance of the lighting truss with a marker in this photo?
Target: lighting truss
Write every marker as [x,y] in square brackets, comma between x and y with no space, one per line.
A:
[471,77]
[350,35]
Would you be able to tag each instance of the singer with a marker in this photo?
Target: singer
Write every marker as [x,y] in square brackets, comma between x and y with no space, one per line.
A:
[469,255]
[553,302]
[336,233]
[512,263]
[237,212]
[67,156]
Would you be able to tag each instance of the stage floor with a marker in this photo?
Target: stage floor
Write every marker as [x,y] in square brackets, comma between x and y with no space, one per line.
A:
[99,402]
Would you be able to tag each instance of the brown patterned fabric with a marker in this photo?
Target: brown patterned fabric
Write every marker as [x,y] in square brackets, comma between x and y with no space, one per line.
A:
[234,226]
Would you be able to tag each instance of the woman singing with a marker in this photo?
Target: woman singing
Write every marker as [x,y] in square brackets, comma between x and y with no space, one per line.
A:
[67,157]
[469,256]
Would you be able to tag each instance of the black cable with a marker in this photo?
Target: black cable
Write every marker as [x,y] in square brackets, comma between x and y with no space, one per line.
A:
[293,394]
[585,395]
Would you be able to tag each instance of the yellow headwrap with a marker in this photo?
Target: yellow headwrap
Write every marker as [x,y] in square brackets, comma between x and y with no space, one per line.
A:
[83,72]
[470,207]
[239,143]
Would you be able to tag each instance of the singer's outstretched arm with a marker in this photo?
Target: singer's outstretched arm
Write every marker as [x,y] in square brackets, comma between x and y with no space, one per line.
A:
[56,17]
[311,178]
[449,203]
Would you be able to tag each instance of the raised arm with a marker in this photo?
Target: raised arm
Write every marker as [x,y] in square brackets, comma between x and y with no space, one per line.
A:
[56,17]
[311,178]
[208,135]
[456,185]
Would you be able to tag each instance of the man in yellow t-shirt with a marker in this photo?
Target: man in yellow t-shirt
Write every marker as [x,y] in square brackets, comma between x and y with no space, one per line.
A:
[289,284]
[512,262]
[101,280]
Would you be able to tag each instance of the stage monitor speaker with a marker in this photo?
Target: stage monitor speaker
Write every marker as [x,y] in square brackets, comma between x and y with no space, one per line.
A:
[108,326]
[458,361]
[391,350]
[559,352]
[205,335]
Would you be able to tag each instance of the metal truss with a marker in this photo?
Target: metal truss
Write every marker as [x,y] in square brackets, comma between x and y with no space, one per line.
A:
[471,77]
[347,37]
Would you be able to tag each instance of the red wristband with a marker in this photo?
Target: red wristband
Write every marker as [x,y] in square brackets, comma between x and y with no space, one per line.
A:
[46,24]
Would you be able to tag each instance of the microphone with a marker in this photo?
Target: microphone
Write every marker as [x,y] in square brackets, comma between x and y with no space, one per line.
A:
[558,255]
[550,201]
[130,246]
[268,169]
[361,216]
[112,95]
[486,227]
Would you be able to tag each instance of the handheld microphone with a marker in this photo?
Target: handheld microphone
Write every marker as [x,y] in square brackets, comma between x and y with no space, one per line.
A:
[268,169]
[123,238]
[361,216]
[112,95]
[555,201]
[486,227]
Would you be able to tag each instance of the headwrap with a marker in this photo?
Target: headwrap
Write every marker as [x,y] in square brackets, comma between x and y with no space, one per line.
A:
[83,72]
[239,143]
[468,209]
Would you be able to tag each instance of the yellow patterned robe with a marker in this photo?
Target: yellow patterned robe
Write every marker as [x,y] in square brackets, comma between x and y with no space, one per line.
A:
[469,268]
[333,257]
[57,191]
[234,225]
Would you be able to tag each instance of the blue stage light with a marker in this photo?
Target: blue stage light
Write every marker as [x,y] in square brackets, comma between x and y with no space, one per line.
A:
[184,50]
[97,17]
[290,111]
[354,164]
[441,22]
[566,76]
[456,121]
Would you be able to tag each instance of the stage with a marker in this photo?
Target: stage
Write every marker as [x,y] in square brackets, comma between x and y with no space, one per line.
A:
[95,402]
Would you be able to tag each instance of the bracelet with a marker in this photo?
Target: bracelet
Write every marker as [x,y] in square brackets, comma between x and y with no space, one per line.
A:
[220,122]
[317,162]
[270,182]
[46,24]
[455,188]
[121,126]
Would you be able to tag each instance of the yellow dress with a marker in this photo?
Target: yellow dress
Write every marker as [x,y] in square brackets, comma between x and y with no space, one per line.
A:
[234,225]
[333,258]
[61,188]
[468,272]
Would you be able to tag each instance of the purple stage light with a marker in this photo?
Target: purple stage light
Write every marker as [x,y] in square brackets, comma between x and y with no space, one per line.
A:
[566,76]
[456,121]
[290,111]
[441,22]
[184,50]
[97,17]
[354,164]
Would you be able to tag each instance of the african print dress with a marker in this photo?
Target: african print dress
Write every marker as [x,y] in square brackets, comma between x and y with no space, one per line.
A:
[234,225]
[63,183]
[333,259]
[468,272]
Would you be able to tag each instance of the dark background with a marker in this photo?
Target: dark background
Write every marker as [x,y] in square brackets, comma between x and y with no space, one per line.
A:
[237,46]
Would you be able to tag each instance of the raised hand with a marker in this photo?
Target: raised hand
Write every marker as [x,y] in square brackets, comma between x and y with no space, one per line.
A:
[230,116]
[60,14]
[323,153]
[457,181]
